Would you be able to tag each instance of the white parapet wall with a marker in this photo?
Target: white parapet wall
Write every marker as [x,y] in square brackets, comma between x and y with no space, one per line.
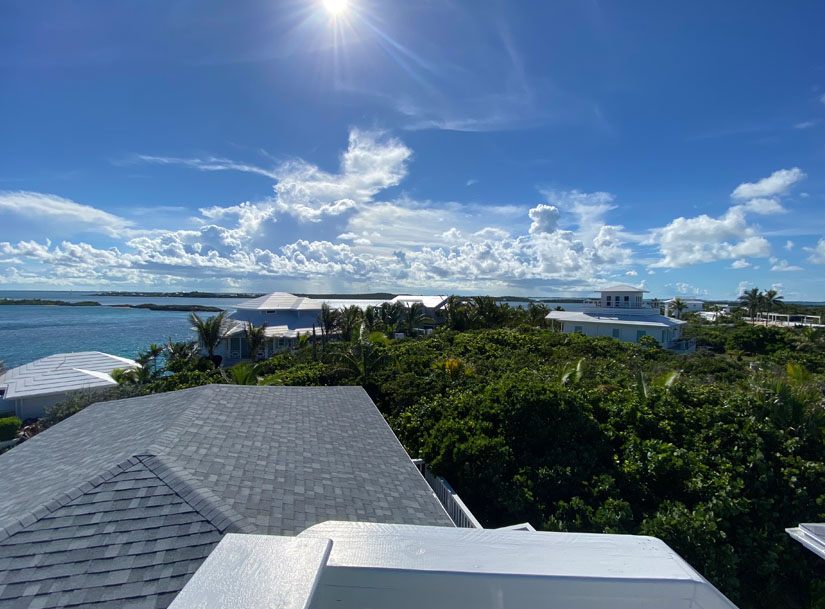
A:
[349,565]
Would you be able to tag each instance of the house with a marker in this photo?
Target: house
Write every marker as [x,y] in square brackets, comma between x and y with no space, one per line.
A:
[118,505]
[691,306]
[433,306]
[622,313]
[27,391]
[294,497]
[286,316]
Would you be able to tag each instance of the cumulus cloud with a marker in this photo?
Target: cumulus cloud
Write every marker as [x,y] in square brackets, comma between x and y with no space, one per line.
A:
[741,264]
[764,206]
[817,253]
[688,241]
[66,212]
[789,245]
[778,183]
[545,219]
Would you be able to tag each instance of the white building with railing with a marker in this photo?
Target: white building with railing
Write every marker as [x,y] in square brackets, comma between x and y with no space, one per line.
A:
[622,313]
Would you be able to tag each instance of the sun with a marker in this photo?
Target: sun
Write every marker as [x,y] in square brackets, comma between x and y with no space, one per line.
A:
[335,7]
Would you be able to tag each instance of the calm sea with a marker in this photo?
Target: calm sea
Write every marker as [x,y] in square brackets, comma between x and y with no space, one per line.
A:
[28,333]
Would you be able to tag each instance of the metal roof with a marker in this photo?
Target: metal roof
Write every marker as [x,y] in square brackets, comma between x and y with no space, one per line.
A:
[118,504]
[654,321]
[622,287]
[430,302]
[282,301]
[61,373]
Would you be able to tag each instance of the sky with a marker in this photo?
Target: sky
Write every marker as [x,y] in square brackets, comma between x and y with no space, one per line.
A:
[532,148]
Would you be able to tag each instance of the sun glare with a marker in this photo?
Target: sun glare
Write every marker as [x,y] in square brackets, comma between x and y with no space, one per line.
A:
[335,7]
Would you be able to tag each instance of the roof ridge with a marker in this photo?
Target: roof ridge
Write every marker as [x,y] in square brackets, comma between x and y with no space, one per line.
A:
[214,509]
[17,524]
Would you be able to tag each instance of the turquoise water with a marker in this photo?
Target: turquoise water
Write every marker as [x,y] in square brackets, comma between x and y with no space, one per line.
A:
[28,333]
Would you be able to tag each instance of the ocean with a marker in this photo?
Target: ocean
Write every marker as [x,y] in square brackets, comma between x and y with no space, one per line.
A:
[28,333]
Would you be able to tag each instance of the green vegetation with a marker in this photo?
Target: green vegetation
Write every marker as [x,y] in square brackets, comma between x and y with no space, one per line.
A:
[715,452]
[9,426]
[50,303]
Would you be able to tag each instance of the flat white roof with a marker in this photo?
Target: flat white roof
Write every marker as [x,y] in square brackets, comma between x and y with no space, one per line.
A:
[272,331]
[61,373]
[655,321]
[350,565]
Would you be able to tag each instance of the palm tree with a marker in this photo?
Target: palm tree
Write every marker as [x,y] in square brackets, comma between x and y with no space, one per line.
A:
[132,376]
[679,306]
[245,373]
[363,357]
[487,312]
[770,299]
[328,320]
[390,316]
[370,319]
[348,321]
[255,339]
[211,331]
[178,354]
[413,317]
[456,313]
[537,314]
[153,353]
[752,300]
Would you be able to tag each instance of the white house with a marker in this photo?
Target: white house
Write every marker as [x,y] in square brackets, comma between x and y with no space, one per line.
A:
[691,306]
[29,390]
[621,313]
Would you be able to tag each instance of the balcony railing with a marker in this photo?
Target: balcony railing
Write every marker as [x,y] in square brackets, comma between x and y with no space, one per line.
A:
[459,513]
[618,305]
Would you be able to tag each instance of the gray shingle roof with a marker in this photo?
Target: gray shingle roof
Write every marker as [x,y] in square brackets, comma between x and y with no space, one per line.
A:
[121,502]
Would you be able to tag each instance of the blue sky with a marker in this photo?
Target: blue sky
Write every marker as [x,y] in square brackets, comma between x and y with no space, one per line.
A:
[437,146]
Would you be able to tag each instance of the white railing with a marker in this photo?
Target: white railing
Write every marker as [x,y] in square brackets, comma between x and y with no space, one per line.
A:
[618,305]
[459,513]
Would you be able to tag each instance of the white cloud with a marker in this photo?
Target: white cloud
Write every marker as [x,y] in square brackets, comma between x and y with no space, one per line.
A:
[472,181]
[817,253]
[688,241]
[776,184]
[805,125]
[741,264]
[545,219]
[204,164]
[764,206]
[686,288]
[789,245]
[783,266]
[631,273]
[64,212]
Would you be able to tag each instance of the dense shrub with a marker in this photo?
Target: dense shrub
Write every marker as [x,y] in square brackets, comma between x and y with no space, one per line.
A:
[9,426]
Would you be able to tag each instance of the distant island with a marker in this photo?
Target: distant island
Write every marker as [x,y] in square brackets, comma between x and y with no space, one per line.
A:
[170,307]
[179,294]
[90,303]
[48,303]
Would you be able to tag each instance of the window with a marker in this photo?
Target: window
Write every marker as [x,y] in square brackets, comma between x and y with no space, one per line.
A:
[608,300]
[664,336]
[627,298]
[616,332]
[639,334]
[577,329]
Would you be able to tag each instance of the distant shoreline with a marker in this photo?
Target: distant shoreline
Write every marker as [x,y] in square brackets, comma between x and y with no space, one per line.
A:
[177,294]
[89,303]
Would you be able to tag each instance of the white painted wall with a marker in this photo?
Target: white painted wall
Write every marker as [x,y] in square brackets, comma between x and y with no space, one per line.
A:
[626,333]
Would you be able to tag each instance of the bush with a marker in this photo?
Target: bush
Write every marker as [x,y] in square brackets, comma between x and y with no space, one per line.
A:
[9,427]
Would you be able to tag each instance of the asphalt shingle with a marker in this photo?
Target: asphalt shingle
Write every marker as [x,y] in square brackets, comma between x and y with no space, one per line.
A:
[119,504]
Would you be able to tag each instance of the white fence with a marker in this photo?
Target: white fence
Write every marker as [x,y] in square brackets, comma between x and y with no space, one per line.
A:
[454,506]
